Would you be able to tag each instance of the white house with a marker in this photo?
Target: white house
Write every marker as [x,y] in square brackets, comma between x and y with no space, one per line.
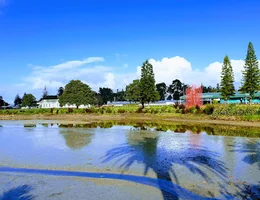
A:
[52,101]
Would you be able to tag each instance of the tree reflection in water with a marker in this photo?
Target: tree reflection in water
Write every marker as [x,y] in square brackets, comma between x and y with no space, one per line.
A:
[143,148]
[251,149]
[76,138]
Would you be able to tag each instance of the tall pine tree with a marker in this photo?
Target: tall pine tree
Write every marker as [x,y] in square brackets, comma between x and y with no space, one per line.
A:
[251,73]
[45,92]
[148,91]
[227,80]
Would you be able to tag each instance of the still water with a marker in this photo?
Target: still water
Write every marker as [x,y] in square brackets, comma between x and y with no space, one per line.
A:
[182,161]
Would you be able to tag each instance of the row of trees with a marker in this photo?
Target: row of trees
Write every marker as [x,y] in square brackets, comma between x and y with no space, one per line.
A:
[78,93]
[250,76]
[145,90]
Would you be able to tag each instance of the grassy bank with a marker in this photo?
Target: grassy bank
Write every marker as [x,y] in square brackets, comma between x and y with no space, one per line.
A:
[231,112]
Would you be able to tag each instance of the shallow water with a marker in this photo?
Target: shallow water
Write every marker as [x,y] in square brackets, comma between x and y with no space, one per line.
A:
[181,161]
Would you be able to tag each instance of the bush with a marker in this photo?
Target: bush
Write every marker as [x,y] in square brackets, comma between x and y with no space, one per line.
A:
[88,111]
[237,110]
[120,111]
[139,110]
[182,107]
[191,110]
[209,109]
[70,110]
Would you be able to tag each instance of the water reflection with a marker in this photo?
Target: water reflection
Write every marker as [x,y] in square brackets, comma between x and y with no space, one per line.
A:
[29,125]
[76,139]
[161,159]
[224,130]
[251,149]
[180,163]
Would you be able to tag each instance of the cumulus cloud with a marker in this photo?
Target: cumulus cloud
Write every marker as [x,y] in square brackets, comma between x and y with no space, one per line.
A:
[92,73]
[168,69]
[165,70]
[58,75]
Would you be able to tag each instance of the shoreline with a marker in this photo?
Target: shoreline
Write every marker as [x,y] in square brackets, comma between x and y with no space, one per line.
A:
[91,118]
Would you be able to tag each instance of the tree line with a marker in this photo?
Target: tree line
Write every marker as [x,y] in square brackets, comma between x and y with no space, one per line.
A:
[145,89]
[250,82]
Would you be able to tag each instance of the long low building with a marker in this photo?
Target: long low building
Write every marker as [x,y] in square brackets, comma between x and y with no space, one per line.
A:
[52,101]
[236,98]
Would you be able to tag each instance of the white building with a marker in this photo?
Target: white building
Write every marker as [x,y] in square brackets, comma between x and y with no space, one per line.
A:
[53,102]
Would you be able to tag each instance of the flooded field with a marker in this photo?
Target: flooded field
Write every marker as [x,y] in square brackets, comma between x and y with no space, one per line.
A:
[126,160]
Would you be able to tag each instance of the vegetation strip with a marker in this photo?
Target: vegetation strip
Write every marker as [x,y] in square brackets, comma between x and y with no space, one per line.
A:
[213,112]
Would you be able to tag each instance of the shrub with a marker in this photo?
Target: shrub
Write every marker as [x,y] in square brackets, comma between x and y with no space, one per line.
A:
[70,110]
[181,106]
[120,111]
[139,110]
[88,111]
[209,109]
[176,105]
[191,110]
[197,107]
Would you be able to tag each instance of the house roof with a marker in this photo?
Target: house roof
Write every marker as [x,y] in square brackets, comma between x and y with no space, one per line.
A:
[49,97]
[217,95]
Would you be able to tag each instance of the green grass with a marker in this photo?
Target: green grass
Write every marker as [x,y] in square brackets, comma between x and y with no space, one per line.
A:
[214,111]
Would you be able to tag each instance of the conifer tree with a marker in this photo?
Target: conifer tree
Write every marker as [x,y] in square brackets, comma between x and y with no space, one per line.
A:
[148,91]
[227,79]
[45,92]
[251,73]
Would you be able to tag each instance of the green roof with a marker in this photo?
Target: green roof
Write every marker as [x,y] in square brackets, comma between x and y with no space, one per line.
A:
[217,95]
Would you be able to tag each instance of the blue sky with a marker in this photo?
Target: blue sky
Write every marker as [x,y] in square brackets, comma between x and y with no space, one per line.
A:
[103,42]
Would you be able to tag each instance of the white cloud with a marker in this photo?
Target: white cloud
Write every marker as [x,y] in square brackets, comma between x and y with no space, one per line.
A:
[88,71]
[109,80]
[168,69]
[165,70]
[67,65]
[58,75]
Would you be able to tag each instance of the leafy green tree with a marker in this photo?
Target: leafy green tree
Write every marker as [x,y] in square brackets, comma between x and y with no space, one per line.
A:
[60,91]
[227,79]
[77,93]
[132,92]
[98,99]
[23,96]
[17,100]
[161,89]
[106,95]
[148,91]
[119,95]
[28,100]
[251,73]
[176,89]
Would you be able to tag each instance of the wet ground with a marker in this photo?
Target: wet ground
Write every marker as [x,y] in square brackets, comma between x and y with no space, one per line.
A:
[45,160]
